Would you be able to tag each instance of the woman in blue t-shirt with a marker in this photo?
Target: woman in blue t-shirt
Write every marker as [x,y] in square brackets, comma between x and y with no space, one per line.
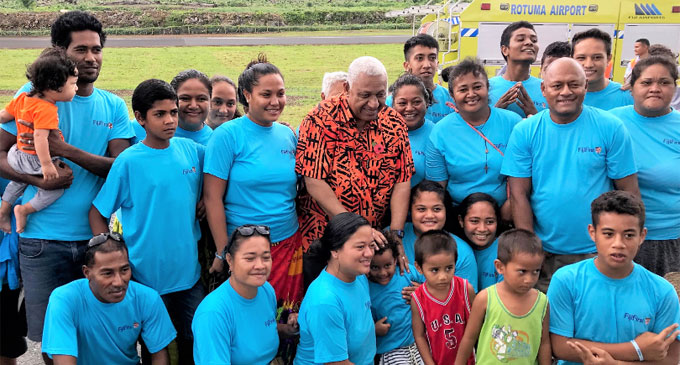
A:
[335,319]
[411,99]
[656,127]
[250,178]
[236,323]
[465,151]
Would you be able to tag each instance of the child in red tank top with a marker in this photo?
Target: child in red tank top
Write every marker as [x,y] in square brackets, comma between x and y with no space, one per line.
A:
[441,307]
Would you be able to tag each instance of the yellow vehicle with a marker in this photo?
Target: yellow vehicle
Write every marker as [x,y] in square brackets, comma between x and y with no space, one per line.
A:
[474,29]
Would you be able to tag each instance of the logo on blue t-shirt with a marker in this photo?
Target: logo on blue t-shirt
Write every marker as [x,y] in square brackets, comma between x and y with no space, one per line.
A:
[192,170]
[636,318]
[101,123]
[597,150]
[288,152]
[269,322]
[128,327]
[670,141]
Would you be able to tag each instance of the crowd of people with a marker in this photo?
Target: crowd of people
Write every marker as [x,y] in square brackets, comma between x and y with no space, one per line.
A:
[511,219]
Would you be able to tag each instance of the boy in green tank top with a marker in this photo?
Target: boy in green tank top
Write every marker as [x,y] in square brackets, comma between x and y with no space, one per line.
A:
[511,318]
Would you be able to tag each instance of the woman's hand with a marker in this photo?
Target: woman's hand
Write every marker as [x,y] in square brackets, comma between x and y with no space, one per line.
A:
[594,356]
[408,290]
[382,327]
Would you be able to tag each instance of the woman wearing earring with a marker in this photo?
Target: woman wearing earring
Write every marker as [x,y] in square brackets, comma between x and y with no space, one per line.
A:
[236,323]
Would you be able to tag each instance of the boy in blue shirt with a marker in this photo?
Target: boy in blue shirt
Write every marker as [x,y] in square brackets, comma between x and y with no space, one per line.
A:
[157,185]
[516,89]
[613,307]
[421,60]
[593,50]
[99,319]
[560,160]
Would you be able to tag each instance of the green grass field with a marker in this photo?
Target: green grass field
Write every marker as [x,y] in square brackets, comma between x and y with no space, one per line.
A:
[302,67]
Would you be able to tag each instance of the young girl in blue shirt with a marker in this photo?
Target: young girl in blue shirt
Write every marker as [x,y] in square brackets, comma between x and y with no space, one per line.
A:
[479,215]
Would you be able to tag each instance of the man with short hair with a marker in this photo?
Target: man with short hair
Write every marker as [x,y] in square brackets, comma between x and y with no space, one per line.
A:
[554,51]
[516,89]
[561,159]
[354,155]
[333,84]
[593,50]
[641,50]
[99,319]
[421,59]
[96,129]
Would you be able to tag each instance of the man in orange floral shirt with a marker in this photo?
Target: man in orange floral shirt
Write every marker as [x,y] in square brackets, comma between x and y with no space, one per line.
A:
[354,155]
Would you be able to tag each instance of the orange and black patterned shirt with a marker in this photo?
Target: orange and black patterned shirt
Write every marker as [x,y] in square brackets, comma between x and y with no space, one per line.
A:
[361,167]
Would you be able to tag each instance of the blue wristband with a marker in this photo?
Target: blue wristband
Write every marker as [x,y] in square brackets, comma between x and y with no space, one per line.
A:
[637,349]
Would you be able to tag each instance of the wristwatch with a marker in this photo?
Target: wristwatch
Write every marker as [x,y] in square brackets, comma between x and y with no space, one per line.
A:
[399,232]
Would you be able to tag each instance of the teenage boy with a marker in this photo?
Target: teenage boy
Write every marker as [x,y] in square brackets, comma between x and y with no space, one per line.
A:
[554,51]
[561,159]
[157,185]
[96,129]
[613,307]
[593,50]
[420,59]
[99,319]
[516,89]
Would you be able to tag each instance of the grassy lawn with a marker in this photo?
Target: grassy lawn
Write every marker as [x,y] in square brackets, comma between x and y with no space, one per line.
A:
[302,67]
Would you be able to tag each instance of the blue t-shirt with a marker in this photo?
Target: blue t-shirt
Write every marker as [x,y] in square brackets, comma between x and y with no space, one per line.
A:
[585,304]
[657,155]
[463,161]
[386,301]
[78,324]
[609,98]
[569,165]
[498,86]
[201,136]
[486,270]
[336,322]
[259,164]
[88,123]
[466,266]
[230,329]
[438,109]
[418,140]
[157,191]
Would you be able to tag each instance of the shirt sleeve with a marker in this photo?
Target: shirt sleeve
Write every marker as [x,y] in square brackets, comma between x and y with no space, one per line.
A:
[667,311]
[60,336]
[435,161]
[327,327]
[115,192]
[311,157]
[212,338]
[157,328]
[121,128]
[11,106]
[517,161]
[219,154]
[561,306]
[46,117]
[620,159]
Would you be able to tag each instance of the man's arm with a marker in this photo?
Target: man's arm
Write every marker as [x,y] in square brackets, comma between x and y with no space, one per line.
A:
[399,204]
[325,196]
[98,223]
[98,165]
[520,189]
[64,360]
[161,357]
[629,184]
[7,140]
